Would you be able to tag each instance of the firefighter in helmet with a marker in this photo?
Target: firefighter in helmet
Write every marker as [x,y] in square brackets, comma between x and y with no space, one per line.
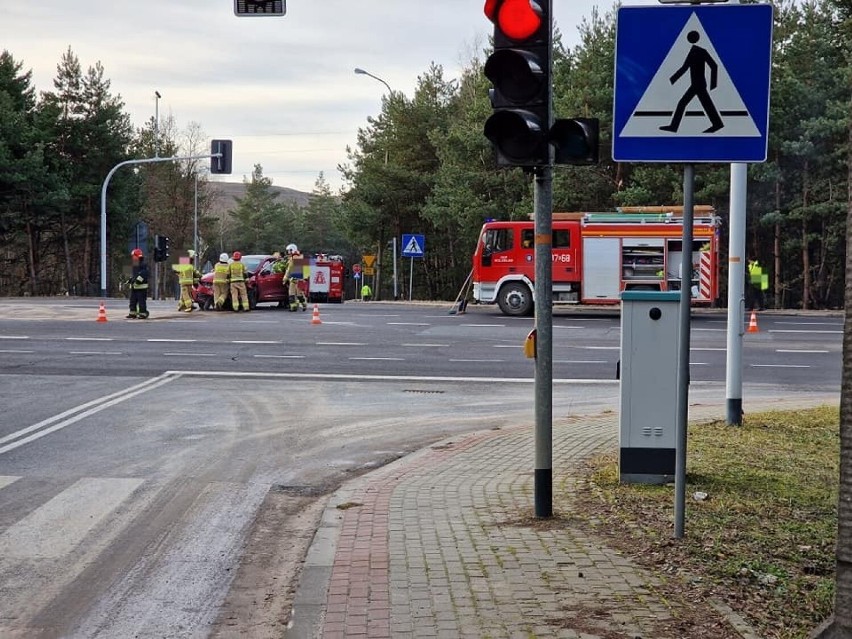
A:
[187,277]
[221,274]
[237,275]
[292,275]
[138,286]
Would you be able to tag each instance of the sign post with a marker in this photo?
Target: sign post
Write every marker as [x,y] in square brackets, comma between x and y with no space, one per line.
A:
[412,246]
[697,92]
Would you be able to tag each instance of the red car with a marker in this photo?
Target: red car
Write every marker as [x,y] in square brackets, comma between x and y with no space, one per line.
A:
[264,285]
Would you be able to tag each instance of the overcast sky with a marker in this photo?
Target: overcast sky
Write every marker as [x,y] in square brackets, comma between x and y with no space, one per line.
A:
[283,88]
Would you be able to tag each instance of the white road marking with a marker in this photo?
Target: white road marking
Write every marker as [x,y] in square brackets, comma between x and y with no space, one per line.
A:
[11,350]
[57,527]
[341,343]
[699,364]
[73,415]
[809,324]
[714,350]
[172,340]
[253,341]
[426,345]
[94,353]
[280,356]
[5,480]
[14,337]
[381,359]
[806,332]
[784,350]
[174,354]
[779,366]
[386,378]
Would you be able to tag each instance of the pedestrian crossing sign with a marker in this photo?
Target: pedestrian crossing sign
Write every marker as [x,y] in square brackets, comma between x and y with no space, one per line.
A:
[413,245]
[698,91]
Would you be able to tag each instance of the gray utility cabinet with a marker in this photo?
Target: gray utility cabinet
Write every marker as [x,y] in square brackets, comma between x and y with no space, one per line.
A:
[650,328]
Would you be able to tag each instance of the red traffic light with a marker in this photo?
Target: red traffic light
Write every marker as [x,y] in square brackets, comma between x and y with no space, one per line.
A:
[518,20]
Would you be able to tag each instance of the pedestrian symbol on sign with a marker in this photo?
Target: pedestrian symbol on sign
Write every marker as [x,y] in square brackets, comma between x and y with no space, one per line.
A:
[710,103]
[412,248]
[696,60]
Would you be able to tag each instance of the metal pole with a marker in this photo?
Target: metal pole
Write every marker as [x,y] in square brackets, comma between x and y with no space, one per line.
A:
[104,209]
[195,224]
[544,343]
[157,124]
[736,294]
[683,348]
[395,281]
[410,277]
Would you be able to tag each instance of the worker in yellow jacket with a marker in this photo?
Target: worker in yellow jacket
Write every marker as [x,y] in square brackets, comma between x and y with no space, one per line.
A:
[221,278]
[187,277]
[237,274]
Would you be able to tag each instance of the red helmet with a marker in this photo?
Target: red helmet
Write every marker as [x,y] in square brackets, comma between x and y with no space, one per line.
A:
[237,255]
[136,253]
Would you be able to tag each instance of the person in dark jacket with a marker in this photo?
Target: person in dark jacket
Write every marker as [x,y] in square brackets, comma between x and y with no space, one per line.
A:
[138,286]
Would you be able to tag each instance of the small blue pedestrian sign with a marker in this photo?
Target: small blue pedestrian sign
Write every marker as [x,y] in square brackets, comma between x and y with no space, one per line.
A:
[413,245]
[698,90]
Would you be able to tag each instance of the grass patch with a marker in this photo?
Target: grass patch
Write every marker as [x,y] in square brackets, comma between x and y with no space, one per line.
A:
[763,540]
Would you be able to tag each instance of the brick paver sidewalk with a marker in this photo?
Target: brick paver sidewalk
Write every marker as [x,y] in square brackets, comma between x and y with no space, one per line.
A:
[443,544]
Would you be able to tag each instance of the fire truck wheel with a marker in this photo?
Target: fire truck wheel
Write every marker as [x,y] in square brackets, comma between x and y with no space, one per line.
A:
[515,299]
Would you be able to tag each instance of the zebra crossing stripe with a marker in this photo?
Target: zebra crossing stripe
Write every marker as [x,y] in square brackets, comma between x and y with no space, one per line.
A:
[5,480]
[58,527]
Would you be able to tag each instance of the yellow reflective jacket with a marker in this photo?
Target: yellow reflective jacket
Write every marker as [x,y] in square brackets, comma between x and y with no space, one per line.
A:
[221,272]
[237,271]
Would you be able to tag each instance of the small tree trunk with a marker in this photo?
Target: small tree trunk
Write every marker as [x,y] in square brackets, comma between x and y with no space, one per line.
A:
[840,627]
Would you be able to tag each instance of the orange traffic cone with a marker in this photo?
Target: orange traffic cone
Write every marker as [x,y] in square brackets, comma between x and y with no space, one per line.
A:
[102,313]
[752,323]
[316,318]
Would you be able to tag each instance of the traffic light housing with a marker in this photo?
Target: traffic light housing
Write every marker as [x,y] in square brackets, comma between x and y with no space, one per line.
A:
[575,141]
[161,248]
[519,70]
[243,8]
[220,160]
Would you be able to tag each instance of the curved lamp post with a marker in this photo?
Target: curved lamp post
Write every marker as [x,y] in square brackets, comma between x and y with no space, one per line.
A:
[359,71]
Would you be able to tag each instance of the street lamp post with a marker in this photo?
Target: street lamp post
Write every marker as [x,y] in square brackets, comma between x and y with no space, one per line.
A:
[378,281]
[157,124]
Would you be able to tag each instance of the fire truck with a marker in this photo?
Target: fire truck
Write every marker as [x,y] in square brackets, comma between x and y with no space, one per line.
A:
[596,256]
[326,278]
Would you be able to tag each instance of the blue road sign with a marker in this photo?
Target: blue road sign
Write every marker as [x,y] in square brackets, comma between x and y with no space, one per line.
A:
[413,245]
[692,83]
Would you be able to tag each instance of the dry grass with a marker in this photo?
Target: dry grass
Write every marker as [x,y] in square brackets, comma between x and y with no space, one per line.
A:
[764,539]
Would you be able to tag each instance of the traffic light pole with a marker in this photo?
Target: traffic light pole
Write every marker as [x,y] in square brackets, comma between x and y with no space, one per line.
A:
[104,208]
[543,195]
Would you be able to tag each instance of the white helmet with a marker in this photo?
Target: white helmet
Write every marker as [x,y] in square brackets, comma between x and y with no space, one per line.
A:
[223,257]
[292,248]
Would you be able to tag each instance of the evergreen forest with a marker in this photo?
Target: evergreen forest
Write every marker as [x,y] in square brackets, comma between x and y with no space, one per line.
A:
[422,165]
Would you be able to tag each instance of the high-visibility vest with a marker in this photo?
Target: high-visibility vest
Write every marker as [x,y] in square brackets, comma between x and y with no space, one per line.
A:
[237,271]
[186,274]
[221,272]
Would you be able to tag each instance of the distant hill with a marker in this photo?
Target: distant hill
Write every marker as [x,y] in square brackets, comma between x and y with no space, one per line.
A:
[226,194]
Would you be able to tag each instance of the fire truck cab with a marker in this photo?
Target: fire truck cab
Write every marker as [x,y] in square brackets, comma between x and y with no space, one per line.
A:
[596,256]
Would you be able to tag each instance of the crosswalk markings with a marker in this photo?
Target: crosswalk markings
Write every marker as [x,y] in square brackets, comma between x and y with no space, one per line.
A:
[5,480]
[57,527]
